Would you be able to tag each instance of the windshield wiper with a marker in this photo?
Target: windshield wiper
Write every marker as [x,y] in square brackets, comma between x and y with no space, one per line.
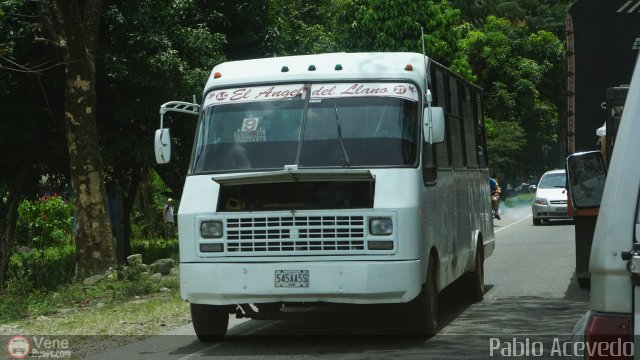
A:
[344,150]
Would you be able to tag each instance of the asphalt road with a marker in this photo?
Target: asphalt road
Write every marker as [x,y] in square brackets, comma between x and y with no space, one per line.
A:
[532,295]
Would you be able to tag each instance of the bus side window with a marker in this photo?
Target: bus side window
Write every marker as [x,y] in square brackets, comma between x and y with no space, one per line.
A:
[429,169]
[442,149]
[454,121]
[481,147]
[469,130]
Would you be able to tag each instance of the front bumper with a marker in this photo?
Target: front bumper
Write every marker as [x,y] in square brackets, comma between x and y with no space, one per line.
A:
[356,282]
[550,211]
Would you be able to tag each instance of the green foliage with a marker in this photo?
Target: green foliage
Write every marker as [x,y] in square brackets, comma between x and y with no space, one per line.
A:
[379,25]
[139,225]
[154,249]
[175,50]
[521,72]
[159,191]
[299,27]
[146,215]
[43,269]
[19,299]
[11,26]
[505,144]
[44,222]
[13,304]
[46,269]
[537,14]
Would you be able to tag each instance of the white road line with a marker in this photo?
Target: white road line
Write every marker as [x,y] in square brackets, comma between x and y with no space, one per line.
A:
[199,352]
[502,228]
[634,7]
[624,6]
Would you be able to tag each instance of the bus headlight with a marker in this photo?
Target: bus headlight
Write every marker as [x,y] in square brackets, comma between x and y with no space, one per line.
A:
[211,229]
[381,226]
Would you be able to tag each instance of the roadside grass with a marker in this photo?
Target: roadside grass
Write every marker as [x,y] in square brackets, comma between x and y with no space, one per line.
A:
[141,306]
[95,318]
[148,315]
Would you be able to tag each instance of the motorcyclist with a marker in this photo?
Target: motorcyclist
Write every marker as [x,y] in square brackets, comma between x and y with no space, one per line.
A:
[495,195]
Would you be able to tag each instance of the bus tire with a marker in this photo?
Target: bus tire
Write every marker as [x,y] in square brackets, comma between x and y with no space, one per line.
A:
[210,322]
[424,308]
[584,282]
[474,281]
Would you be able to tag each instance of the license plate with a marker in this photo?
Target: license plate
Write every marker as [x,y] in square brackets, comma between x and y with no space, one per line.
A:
[292,278]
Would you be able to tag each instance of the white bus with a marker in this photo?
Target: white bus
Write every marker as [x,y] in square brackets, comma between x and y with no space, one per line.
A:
[354,178]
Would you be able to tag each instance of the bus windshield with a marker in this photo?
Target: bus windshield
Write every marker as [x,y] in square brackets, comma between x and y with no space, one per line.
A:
[296,127]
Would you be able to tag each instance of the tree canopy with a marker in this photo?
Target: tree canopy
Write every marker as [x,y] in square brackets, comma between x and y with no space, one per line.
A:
[379,25]
[521,72]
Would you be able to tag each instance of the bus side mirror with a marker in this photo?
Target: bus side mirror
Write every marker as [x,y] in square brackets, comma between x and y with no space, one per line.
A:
[586,176]
[433,124]
[162,146]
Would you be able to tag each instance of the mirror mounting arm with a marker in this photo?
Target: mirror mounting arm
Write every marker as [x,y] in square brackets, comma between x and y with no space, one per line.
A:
[178,106]
[162,141]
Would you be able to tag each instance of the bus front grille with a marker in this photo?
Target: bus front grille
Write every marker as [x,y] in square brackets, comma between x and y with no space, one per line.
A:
[313,235]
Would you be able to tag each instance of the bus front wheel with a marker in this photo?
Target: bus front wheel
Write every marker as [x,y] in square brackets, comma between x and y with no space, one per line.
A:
[210,322]
[424,308]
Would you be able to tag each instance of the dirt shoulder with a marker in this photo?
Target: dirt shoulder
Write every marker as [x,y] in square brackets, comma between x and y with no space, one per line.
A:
[98,324]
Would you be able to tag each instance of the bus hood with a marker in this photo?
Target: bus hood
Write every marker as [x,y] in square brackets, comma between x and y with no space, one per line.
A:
[295,175]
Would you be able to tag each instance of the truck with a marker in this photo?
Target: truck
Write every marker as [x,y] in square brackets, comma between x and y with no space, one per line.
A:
[610,328]
[340,178]
[603,38]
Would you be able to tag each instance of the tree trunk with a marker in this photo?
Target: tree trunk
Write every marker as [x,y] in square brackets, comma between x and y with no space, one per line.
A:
[94,241]
[129,199]
[9,217]
[145,201]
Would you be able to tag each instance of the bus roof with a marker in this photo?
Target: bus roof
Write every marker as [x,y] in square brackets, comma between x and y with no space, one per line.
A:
[331,66]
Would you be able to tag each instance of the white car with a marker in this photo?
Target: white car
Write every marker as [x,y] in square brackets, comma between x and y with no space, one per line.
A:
[551,197]
[612,323]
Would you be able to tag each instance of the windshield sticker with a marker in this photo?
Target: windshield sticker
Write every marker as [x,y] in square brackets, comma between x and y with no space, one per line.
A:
[250,132]
[250,124]
[404,91]
[250,136]
[260,93]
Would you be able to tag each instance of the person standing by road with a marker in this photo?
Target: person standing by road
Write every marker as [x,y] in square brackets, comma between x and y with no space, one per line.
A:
[167,213]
